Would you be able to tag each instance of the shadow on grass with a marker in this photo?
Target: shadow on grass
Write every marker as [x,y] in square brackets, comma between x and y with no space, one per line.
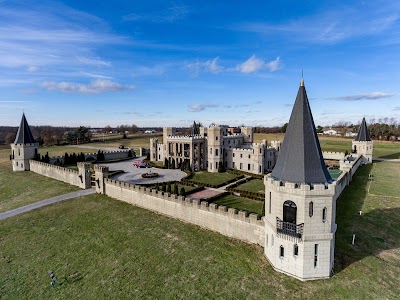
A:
[376,230]
[391,156]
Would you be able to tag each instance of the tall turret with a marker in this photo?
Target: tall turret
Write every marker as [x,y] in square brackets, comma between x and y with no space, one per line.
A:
[215,151]
[24,147]
[362,144]
[300,203]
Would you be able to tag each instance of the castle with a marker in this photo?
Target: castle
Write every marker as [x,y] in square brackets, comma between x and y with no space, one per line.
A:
[215,148]
[299,226]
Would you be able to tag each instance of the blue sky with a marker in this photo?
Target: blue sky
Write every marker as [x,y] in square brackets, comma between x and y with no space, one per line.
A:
[167,63]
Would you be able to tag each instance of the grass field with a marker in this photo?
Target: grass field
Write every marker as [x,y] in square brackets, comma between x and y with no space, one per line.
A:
[21,188]
[103,248]
[212,178]
[241,203]
[384,149]
[255,185]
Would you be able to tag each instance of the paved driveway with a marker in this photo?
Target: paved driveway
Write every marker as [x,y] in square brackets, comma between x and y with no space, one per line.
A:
[134,175]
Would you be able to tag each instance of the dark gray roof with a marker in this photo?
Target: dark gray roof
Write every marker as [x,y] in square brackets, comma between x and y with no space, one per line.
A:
[24,134]
[363,133]
[300,159]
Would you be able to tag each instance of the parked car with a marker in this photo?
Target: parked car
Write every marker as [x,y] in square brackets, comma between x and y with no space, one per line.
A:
[121,147]
[140,164]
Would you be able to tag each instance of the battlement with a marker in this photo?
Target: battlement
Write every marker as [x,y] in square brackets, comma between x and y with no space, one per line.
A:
[43,164]
[300,189]
[98,168]
[197,205]
[181,137]
[333,155]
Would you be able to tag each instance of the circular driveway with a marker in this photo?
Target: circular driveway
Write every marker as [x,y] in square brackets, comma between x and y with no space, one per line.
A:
[134,175]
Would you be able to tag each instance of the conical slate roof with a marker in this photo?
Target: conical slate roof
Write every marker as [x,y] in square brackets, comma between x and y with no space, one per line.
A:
[300,159]
[24,134]
[363,133]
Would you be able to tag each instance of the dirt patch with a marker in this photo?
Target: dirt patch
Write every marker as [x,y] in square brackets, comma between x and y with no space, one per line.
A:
[204,194]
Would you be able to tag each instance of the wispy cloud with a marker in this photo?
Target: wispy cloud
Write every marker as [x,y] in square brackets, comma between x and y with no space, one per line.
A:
[97,86]
[93,61]
[93,75]
[33,69]
[210,65]
[332,26]
[396,108]
[254,64]
[369,96]
[200,107]
[171,14]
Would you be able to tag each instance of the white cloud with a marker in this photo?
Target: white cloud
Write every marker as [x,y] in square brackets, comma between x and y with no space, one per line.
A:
[368,96]
[33,69]
[200,107]
[210,65]
[254,64]
[97,86]
[93,61]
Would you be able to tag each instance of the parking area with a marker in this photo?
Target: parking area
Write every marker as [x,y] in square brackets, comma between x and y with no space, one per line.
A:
[134,175]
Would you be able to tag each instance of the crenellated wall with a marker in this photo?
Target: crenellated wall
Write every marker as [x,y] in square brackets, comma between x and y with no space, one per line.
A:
[228,222]
[333,155]
[80,178]
[108,155]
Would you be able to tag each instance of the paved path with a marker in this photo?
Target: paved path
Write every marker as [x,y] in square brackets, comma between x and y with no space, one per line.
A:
[95,147]
[387,159]
[42,203]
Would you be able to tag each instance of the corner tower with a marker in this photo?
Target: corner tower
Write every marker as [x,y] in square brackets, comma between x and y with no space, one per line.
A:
[362,144]
[300,203]
[24,147]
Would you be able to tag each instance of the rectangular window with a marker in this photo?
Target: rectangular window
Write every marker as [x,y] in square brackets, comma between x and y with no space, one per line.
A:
[248,167]
[216,152]
[295,250]
[269,206]
[233,154]
[324,215]
[216,165]
[315,255]
[281,251]
[210,151]
[233,165]
[249,155]
[241,155]
[241,165]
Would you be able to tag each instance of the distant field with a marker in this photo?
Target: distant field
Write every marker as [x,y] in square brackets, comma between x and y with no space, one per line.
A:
[384,149]
[21,188]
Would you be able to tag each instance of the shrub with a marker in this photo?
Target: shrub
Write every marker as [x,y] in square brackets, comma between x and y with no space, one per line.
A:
[176,191]
[182,192]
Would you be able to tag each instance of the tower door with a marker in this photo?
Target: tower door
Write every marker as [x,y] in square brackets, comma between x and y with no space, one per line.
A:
[289,212]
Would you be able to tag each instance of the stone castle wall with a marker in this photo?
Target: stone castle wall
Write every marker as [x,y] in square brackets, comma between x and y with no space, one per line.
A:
[333,155]
[79,178]
[108,155]
[228,222]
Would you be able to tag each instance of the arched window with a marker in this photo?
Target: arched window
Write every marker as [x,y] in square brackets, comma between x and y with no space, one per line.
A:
[289,212]
[324,215]
[311,209]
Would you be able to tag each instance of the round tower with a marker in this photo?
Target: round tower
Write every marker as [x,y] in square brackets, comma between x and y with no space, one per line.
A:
[300,202]
[24,147]
[362,144]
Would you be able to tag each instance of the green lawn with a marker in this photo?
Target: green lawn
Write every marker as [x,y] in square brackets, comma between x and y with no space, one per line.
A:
[383,149]
[212,178]
[386,180]
[21,188]
[241,203]
[255,185]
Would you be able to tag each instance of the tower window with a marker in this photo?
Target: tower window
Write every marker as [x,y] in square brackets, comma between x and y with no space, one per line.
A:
[216,138]
[269,206]
[315,255]
[272,241]
[311,209]
[281,251]
[296,250]
[324,215]
[216,152]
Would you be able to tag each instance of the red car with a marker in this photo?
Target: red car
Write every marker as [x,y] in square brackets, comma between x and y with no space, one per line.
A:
[140,164]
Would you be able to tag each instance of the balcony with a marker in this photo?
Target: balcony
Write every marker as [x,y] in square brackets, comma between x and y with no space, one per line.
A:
[289,228]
